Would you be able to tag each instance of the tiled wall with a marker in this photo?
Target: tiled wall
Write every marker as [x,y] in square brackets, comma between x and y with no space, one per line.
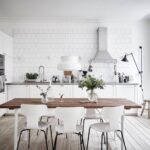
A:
[36,45]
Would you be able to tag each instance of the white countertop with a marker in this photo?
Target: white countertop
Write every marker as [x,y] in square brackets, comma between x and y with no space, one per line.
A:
[46,83]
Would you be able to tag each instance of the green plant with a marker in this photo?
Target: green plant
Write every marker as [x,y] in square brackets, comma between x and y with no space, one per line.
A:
[91,83]
[31,75]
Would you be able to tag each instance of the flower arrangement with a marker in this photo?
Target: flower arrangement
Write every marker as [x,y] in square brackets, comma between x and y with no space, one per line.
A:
[44,94]
[91,83]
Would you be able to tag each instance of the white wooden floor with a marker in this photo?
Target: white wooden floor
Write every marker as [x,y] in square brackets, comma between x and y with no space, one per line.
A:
[137,136]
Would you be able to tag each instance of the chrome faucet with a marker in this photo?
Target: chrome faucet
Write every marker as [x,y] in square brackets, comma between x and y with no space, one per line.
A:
[42,73]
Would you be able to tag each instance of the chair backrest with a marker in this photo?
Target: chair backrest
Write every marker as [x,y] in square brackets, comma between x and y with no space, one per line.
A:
[33,113]
[69,116]
[113,116]
[92,111]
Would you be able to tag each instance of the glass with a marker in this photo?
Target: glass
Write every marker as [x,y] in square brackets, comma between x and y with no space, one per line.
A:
[92,96]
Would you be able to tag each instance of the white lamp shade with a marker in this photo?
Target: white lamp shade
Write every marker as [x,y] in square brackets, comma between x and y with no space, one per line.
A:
[69,63]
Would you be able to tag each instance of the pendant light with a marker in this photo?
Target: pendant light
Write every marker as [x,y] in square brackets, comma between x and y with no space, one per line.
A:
[69,63]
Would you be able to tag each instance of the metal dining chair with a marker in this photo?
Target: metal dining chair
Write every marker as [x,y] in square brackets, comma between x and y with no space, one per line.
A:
[69,116]
[49,114]
[111,122]
[91,114]
[32,115]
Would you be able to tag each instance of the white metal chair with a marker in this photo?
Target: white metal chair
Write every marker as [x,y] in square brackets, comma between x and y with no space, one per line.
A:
[32,115]
[69,116]
[50,113]
[91,114]
[111,117]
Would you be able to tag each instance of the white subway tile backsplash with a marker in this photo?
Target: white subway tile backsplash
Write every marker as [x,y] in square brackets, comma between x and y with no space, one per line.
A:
[35,46]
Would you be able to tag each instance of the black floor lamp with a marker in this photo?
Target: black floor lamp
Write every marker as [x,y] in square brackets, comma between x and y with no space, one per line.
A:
[140,70]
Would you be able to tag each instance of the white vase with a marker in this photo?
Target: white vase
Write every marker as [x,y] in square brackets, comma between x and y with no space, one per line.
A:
[92,96]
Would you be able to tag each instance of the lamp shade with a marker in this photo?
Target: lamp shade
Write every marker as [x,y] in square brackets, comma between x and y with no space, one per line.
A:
[124,59]
[69,63]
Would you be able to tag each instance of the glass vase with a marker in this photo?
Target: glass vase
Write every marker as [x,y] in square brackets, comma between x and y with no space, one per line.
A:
[92,96]
[44,99]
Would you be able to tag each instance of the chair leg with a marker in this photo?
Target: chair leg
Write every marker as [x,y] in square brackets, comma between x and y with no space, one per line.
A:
[55,143]
[122,139]
[47,132]
[83,126]
[81,122]
[80,141]
[107,140]
[38,130]
[102,140]
[143,108]
[45,139]
[88,138]
[51,135]
[20,138]
[83,142]
[29,139]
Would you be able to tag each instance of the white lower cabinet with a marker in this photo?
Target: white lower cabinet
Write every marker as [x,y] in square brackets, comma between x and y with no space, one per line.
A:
[107,92]
[54,91]
[129,92]
[78,92]
[2,100]
[66,90]
[72,91]
[18,91]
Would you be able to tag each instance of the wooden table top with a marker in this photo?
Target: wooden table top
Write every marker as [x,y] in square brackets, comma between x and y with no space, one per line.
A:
[72,102]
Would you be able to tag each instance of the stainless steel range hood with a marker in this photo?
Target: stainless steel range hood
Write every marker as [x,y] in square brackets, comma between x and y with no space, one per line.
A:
[102,55]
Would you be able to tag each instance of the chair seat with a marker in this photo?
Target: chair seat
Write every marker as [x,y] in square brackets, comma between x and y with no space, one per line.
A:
[60,129]
[41,125]
[93,116]
[101,127]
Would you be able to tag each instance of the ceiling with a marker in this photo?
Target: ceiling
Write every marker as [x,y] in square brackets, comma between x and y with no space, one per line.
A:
[75,9]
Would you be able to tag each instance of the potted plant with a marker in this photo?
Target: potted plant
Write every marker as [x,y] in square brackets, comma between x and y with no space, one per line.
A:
[31,76]
[91,83]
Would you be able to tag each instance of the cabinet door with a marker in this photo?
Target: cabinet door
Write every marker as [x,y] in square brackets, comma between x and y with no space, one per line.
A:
[66,90]
[17,91]
[2,100]
[54,91]
[78,92]
[35,92]
[125,91]
[107,92]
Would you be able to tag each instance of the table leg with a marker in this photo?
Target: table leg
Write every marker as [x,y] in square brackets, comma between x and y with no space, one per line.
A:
[16,129]
[122,129]
[148,110]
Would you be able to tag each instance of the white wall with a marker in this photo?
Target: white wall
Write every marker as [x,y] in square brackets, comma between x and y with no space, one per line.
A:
[144,38]
[37,43]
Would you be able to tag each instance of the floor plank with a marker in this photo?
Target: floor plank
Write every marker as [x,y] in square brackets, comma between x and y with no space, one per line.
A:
[137,131]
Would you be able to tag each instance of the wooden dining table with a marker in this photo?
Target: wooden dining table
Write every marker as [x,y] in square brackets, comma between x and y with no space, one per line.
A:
[15,104]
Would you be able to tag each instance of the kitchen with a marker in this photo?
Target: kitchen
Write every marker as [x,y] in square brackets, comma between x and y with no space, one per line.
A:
[36,46]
